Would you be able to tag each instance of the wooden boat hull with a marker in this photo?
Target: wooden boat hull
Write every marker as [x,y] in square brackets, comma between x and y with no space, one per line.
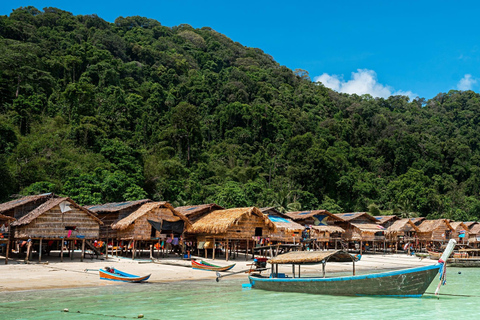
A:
[210,267]
[403,283]
[121,276]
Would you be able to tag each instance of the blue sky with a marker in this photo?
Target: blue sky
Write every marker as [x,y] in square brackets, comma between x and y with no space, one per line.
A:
[417,48]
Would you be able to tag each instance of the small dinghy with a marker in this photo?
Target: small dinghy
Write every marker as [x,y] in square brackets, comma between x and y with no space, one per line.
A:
[113,274]
[210,267]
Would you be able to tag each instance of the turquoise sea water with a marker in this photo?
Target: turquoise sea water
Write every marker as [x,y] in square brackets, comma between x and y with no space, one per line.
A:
[227,300]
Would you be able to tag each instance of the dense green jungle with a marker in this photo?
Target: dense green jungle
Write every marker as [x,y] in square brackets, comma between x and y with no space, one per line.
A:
[106,112]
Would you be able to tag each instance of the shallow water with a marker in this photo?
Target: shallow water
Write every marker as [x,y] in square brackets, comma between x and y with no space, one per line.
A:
[227,299]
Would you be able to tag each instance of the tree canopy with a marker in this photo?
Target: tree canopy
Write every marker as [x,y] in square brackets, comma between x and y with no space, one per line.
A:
[105,112]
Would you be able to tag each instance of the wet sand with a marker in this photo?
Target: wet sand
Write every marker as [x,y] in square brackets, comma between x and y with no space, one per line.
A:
[17,275]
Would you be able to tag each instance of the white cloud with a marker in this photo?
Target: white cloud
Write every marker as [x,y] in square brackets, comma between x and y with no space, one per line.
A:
[363,81]
[466,83]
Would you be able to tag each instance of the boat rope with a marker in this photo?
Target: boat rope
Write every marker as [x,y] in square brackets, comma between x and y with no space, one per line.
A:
[453,295]
[80,312]
[443,275]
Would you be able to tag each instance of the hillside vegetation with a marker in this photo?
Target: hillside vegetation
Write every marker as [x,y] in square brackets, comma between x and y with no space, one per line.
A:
[107,112]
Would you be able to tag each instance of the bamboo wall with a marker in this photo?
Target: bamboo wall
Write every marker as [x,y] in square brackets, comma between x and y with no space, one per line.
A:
[51,225]
[285,236]
[141,229]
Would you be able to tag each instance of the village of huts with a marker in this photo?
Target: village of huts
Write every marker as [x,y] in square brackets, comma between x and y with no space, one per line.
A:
[47,225]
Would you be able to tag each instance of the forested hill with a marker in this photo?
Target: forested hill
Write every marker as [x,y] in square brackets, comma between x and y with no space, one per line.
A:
[106,112]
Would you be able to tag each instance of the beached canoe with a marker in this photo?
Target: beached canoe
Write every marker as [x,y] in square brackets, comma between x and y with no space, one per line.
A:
[412,282]
[203,265]
[116,275]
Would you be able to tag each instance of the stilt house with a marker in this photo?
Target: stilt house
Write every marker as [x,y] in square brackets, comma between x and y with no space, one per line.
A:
[460,232]
[361,226]
[474,235]
[233,229]
[439,230]
[110,213]
[60,220]
[288,231]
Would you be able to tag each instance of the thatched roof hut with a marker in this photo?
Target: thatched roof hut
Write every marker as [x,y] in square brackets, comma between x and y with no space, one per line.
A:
[6,218]
[404,228]
[57,218]
[474,234]
[470,224]
[386,221]
[313,217]
[287,230]
[136,226]
[20,207]
[110,213]
[234,223]
[193,213]
[460,231]
[418,221]
[435,230]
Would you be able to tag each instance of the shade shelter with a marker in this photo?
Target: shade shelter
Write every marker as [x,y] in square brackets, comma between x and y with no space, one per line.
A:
[401,232]
[245,227]
[56,221]
[110,213]
[152,223]
[193,213]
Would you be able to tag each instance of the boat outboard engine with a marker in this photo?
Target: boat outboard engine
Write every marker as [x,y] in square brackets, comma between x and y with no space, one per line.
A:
[260,263]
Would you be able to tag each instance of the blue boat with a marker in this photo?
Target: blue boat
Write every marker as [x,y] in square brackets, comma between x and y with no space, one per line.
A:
[113,274]
[412,282]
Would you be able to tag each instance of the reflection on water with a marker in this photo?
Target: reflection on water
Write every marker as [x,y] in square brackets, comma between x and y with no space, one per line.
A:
[212,300]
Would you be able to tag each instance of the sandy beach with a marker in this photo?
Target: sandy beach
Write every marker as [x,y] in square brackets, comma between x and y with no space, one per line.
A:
[18,276]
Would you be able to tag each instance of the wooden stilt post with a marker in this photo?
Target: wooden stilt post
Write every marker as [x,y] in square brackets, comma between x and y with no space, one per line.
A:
[133,250]
[228,251]
[106,249]
[72,246]
[61,249]
[361,246]
[40,251]
[83,250]
[8,250]
[214,247]
[293,269]
[29,247]
[151,252]
[246,252]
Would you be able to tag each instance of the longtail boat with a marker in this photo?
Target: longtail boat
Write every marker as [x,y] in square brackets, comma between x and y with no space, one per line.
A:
[412,282]
[203,265]
[113,274]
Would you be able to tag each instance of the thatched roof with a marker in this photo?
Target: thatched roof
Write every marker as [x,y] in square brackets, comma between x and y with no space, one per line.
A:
[430,225]
[329,229]
[470,224]
[220,221]
[189,211]
[2,217]
[384,219]
[311,257]
[368,227]
[284,223]
[44,207]
[475,229]
[302,215]
[401,226]
[144,209]
[458,225]
[355,215]
[23,201]
[270,210]
[418,220]
[115,206]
